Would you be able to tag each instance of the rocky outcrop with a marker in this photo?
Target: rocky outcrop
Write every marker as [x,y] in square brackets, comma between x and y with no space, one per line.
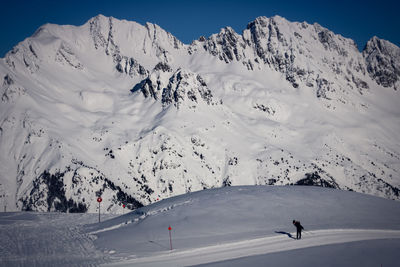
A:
[66,56]
[226,45]
[10,90]
[175,88]
[130,66]
[314,179]
[304,52]
[383,62]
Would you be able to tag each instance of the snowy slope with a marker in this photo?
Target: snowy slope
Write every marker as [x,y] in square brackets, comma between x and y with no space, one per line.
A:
[126,111]
[229,223]
[235,226]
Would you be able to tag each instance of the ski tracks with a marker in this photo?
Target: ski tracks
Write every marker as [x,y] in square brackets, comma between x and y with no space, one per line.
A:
[259,246]
[46,243]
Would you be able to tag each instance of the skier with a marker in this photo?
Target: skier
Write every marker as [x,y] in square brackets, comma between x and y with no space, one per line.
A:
[299,227]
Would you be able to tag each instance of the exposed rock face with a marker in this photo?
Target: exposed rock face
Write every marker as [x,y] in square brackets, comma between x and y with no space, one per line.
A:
[313,179]
[226,45]
[130,66]
[294,48]
[383,62]
[10,90]
[65,55]
[175,88]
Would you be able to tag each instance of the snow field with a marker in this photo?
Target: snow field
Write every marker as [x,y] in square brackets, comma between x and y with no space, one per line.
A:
[230,225]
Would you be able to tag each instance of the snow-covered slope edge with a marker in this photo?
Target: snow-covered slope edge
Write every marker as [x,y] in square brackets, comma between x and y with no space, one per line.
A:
[220,224]
[127,112]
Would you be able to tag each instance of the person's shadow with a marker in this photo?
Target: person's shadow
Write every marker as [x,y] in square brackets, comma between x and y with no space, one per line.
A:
[285,233]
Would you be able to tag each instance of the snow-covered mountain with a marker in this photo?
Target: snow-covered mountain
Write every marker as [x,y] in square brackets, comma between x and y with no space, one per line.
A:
[126,111]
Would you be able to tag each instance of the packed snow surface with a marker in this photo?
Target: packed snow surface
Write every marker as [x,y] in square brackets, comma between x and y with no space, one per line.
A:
[232,226]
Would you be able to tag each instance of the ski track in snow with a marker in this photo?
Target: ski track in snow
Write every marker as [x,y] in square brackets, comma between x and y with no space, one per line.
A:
[142,216]
[259,246]
[30,239]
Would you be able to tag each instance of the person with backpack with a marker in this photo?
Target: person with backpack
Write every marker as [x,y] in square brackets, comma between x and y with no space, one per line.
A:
[299,228]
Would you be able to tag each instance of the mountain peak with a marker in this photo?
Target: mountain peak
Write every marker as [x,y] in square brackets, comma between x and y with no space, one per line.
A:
[383,62]
[99,17]
[383,46]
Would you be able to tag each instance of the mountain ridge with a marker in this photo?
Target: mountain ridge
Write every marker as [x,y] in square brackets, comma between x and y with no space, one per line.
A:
[126,111]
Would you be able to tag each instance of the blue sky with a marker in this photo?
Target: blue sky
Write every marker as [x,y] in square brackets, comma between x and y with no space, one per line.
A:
[187,20]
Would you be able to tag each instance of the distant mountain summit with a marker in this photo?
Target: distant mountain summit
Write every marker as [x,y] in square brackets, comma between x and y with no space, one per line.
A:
[127,112]
[383,62]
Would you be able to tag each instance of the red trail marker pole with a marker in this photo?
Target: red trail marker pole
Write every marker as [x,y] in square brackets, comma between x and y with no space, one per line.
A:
[170,239]
[99,199]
